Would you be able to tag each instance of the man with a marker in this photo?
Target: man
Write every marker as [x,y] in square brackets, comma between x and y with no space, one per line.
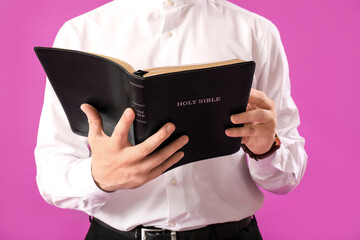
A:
[121,185]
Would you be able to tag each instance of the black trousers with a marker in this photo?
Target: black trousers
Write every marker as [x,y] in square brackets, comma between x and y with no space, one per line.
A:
[98,232]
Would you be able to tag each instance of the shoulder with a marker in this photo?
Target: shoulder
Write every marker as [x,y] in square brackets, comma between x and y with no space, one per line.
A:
[93,15]
[241,12]
[259,25]
[75,32]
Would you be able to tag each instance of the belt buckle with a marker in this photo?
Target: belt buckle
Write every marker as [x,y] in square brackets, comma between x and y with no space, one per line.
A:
[144,230]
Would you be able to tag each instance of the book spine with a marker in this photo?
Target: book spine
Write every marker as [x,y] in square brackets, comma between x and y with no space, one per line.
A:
[138,105]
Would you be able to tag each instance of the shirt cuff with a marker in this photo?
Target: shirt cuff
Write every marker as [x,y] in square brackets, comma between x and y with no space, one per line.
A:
[86,180]
[264,165]
[276,163]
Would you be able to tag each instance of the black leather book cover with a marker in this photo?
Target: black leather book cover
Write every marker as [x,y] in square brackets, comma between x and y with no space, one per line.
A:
[199,101]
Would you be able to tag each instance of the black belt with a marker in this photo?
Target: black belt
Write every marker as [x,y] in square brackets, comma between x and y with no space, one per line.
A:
[220,231]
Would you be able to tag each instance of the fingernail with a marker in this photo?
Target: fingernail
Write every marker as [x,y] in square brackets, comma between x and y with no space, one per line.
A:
[128,113]
[170,128]
[234,118]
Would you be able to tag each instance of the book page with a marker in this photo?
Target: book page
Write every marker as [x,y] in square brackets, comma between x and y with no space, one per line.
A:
[162,70]
[125,65]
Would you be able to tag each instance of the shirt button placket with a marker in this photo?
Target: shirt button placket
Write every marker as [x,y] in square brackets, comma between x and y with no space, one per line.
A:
[173,181]
[170,3]
[168,34]
[175,194]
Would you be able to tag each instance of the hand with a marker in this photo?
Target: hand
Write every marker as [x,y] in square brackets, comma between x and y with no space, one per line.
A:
[117,164]
[258,132]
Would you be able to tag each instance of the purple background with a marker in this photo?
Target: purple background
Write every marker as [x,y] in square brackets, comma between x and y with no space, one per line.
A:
[321,38]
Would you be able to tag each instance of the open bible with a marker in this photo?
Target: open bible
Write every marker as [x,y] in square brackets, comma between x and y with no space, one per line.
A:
[198,99]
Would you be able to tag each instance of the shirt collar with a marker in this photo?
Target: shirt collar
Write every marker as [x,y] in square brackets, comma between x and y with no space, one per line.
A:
[155,3]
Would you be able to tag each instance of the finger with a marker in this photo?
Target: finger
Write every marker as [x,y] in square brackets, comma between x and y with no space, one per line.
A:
[249,131]
[159,157]
[122,128]
[258,115]
[176,157]
[150,144]
[250,107]
[260,99]
[94,119]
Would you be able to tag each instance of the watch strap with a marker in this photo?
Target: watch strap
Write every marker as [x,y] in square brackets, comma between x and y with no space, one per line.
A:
[275,146]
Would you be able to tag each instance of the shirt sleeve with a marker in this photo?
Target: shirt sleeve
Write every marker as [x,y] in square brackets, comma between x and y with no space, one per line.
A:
[62,158]
[282,171]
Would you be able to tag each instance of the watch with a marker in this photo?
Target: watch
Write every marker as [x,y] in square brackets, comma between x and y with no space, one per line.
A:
[275,146]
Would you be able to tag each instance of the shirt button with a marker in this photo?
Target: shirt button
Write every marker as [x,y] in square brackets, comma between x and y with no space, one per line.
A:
[170,3]
[173,181]
[168,34]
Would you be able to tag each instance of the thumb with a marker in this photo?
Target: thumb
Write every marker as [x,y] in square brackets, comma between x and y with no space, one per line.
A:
[94,119]
[121,131]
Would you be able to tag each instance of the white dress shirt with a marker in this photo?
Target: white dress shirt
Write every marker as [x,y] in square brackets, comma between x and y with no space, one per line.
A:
[153,33]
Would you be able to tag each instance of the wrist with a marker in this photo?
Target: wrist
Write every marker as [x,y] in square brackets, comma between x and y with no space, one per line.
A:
[101,186]
[274,147]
